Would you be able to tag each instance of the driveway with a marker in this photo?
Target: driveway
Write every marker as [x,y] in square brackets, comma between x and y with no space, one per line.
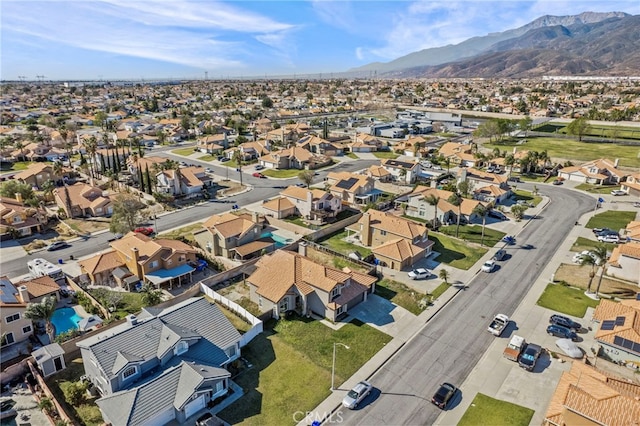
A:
[383,315]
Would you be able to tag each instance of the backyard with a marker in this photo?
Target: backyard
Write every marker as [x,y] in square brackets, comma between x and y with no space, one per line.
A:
[290,356]
[613,219]
[455,252]
[338,243]
[485,410]
[561,298]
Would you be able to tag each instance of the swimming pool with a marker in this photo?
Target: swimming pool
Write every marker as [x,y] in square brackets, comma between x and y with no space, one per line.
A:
[279,240]
[65,319]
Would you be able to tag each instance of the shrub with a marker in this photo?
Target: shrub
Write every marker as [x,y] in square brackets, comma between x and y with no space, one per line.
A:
[76,393]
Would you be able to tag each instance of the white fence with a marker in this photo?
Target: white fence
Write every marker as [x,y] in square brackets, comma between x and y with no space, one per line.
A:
[240,311]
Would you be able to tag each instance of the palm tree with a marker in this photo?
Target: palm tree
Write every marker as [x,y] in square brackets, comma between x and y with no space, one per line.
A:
[601,252]
[19,145]
[91,145]
[43,311]
[444,275]
[590,261]
[456,200]
[238,157]
[433,200]
[47,188]
[509,161]
[57,169]
[481,211]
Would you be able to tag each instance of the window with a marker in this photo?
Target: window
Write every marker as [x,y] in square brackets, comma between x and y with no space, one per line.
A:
[17,219]
[219,386]
[129,372]
[181,348]
[182,258]
[8,339]
[259,300]
[154,264]
[27,329]
[231,351]
[383,233]
[341,309]
[335,292]
[12,318]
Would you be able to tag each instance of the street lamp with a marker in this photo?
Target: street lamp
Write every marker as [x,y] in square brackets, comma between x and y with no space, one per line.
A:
[333,365]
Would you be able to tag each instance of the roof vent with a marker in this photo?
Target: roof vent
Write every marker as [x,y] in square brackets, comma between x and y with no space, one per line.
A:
[132,320]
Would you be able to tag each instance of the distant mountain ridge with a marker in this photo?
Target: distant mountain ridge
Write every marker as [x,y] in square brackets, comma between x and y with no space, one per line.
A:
[600,43]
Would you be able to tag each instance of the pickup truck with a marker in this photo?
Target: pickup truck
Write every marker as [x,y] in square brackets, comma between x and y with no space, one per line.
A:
[498,324]
[514,348]
[530,356]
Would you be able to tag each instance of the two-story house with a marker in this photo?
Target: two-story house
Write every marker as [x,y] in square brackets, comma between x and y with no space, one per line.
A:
[352,189]
[458,153]
[15,216]
[293,158]
[254,150]
[187,181]
[212,144]
[419,205]
[598,172]
[163,365]
[395,241]
[13,301]
[318,145]
[37,174]
[313,204]
[379,173]
[235,236]
[632,185]
[364,142]
[82,200]
[486,187]
[402,171]
[287,281]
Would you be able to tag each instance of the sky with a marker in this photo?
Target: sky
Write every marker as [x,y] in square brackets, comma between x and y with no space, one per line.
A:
[197,39]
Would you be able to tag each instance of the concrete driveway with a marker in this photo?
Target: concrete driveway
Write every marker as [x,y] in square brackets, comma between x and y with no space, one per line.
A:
[383,315]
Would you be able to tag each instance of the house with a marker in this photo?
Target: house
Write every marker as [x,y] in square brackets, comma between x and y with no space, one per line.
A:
[253,150]
[176,369]
[135,163]
[619,329]
[37,174]
[140,258]
[279,207]
[352,189]
[379,173]
[235,236]
[624,262]
[586,395]
[294,158]
[418,205]
[598,172]
[39,288]
[212,144]
[458,153]
[13,301]
[365,143]
[632,231]
[14,215]
[486,187]
[412,147]
[187,181]
[286,281]
[313,204]
[632,185]
[402,171]
[83,200]
[382,231]
[318,145]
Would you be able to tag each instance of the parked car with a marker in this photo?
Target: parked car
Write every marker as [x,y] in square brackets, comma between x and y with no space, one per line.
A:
[491,169]
[560,331]
[604,231]
[557,182]
[259,175]
[618,192]
[208,170]
[443,395]
[419,274]
[7,411]
[577,258]
[500,255]
[530,356]
[565,322]
[488,266]
[569,348]
[57,245]
[206,419]
[609,238]
[496,215]
[356,395]
[514,179]
[145,230]
[224,159]
[259,167]
[509,239]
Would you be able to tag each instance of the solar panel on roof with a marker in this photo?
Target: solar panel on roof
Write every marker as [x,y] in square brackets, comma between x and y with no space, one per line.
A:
[636,348]
[638,296]
[620,320]
[348,183]
[607,325]
[617,340]
[627,344]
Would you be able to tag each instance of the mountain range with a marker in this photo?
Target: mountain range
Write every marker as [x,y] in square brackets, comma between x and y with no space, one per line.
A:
[597,44]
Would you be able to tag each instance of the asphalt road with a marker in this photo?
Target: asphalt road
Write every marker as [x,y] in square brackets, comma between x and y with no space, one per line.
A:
[448,347]
[262,189]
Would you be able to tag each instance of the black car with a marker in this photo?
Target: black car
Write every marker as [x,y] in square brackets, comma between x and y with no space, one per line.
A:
[496,214]
[565,322]
[500,255]
[604,231]
[444,394]
[563,332]
[57,245]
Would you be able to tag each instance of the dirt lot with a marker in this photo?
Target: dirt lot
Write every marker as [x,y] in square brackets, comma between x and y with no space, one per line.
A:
[229,187]
[578,276]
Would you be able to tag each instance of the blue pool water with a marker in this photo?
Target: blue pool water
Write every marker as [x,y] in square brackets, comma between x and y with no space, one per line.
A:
[65,319]
[280,241]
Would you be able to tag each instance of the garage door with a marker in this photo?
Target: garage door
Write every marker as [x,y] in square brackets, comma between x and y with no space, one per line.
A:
[194,406]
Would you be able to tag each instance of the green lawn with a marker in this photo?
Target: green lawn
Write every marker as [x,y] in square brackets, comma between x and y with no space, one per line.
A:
[130,303]
[613,219]
[207,157]
[439,291]
[352,155]
[296,220]
[473,233]
[576,151]
[186,232]
[564,299]
[531,178]
[337,243]
[400,294]
[183,151]
[527,196]
[597,189]
[587,244]
[455,252]
[284,174]
[386,154]
[292,368]
[17,166]
[485,410]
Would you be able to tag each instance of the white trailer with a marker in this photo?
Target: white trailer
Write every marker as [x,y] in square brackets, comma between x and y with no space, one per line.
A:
[40,268]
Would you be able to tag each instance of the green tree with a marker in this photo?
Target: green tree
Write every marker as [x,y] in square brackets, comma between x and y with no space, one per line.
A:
[433,200]
[517,211]
[47,189]
[75,393]
[456,200]
[267,102]
[46,405]
[578,127]
[444,275]
[43,311]
[150,296]
[601,252]
[101,119]
[481,211]
[238,157]
[593,263]
[465,188]
[13,187]
[306,177]
[126,213]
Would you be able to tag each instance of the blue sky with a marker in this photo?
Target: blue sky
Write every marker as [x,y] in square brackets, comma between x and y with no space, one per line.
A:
[133,39]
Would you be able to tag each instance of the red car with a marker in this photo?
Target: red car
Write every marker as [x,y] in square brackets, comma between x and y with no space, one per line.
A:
[259,175]
[144,230]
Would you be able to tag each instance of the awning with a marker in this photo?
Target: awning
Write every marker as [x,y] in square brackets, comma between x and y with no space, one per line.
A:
[86,323]
[163,275]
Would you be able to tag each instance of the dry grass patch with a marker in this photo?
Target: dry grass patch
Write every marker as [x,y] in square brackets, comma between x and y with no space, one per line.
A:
[578,276]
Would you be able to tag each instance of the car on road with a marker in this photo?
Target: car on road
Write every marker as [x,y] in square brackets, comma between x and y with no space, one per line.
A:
[509,239]
[618,192]
[259,175]
[419,274]
[488,266]
[301,185]
[57,245]
[563,332]
[144,230]
[500,255]
[443,395]
[208,170]
[357,394]
[565,322]
[609,238]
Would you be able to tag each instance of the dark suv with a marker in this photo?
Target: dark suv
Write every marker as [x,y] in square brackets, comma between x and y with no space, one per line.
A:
[444,394]
[565,322]
[560,331]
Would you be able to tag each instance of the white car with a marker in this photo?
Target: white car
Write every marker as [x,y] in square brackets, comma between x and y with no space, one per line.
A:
[618,192]
[488,266]
[577,258]
[609,239]
[419,274]
[356,395]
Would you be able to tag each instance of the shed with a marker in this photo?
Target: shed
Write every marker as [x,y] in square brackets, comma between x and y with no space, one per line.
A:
[50,359]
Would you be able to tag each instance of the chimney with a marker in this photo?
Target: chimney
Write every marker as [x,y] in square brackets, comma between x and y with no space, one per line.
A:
[136,259]
[255,217]
[302,248]
[616,162]
[19,197]
[365,231]
[132,320]
[23,293]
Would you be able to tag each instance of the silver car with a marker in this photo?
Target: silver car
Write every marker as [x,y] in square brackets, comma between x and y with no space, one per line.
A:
[356,395]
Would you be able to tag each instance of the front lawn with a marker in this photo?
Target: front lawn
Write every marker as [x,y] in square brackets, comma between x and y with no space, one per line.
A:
[527,196]
[597,189]
[18,166]
[282,174]
[613,219]
[473,233]
[439,291]
[207,157]
[184,232]
[386,154]
[185,152]
[400,294]
[455,252]
[583,243]
[485,410]
[292,368]
[352,155]
[337,243]
[564,299]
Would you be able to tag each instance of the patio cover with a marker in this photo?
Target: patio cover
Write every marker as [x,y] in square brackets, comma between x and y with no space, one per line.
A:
[374,193]
[163,275]
[86,323]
